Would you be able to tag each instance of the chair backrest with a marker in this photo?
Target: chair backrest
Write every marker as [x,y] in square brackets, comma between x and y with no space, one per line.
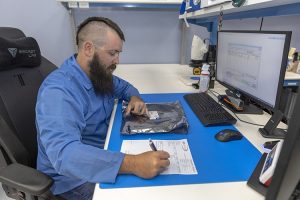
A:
[18,92]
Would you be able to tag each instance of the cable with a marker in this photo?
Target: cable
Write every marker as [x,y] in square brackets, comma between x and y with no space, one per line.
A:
[220,19]
[261,23]
[213,92]
[247,122]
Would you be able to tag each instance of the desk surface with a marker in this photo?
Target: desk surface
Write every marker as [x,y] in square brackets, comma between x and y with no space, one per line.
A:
[291,76]
[164,78]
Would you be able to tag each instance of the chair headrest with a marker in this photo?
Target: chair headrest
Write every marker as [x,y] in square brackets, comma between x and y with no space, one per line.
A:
[21,52]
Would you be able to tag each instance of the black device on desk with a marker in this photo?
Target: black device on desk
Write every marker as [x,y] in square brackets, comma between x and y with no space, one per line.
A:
[270,144]
[251,64]
[285,182]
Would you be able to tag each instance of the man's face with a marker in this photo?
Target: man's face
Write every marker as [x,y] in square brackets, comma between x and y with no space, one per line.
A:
[104,62]
[101,76]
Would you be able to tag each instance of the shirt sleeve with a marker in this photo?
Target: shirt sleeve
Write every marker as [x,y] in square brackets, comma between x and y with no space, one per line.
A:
[60,120]
[124,90]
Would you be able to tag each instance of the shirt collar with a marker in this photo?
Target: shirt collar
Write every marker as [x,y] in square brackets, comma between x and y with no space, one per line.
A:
[83,76]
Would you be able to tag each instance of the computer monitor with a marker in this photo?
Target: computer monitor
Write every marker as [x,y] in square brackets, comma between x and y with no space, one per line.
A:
[251,64]
[287,172]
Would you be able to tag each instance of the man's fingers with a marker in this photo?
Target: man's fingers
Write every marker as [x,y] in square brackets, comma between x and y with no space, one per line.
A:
[145,111]
[139,108]
[164,163]
[128,110]
[164,155]
[136,109]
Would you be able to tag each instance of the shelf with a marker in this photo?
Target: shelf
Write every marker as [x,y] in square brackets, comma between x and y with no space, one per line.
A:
[251,9]
[168,4]
[127,1]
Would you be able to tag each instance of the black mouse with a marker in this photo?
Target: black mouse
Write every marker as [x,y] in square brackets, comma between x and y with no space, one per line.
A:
[227,135]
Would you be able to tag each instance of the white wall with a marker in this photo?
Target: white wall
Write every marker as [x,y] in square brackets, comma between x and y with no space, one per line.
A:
[278,23]
[45,20]
[152,35]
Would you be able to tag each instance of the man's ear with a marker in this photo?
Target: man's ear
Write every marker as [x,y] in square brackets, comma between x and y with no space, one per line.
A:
[88,49]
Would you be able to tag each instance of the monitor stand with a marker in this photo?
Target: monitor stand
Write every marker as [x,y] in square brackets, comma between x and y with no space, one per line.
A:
[277,133]
[270,130]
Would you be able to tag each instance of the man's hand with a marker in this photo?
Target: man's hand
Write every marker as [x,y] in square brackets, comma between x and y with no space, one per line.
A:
[145,165]
[136,106]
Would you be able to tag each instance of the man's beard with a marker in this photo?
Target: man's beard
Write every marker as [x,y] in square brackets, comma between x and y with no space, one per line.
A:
[101,76]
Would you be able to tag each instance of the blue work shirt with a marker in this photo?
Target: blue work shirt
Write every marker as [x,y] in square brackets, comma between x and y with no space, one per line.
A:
[72,122]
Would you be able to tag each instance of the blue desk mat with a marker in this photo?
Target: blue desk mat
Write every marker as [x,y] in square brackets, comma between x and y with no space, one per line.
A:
[215,161]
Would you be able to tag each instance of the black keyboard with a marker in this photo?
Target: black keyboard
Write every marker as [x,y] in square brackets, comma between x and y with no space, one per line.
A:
[208,110]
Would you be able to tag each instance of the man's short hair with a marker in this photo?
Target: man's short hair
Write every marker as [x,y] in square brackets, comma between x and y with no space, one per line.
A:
[104,20]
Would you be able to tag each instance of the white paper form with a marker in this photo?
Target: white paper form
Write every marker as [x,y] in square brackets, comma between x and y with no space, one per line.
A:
[181,161]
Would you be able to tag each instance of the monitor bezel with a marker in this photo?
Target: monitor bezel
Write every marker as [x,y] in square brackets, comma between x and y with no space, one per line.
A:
[284,62]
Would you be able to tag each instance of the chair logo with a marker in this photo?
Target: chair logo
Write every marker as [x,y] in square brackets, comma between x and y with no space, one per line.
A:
[13,52]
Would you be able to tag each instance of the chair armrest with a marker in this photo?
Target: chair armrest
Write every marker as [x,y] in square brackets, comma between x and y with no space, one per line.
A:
[25,179]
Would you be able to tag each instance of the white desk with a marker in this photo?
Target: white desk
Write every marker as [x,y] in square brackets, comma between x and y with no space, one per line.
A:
[164,78]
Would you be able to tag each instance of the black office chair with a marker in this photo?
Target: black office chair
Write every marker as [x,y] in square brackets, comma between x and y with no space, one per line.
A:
[19,86]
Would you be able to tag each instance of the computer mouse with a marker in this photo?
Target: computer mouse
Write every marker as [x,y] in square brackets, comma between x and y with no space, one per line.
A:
[227,135]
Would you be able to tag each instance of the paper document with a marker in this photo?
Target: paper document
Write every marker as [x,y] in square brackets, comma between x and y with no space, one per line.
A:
[181,161]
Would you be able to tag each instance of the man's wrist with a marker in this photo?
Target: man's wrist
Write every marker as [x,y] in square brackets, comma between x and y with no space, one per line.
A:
[128,165]
[137,97]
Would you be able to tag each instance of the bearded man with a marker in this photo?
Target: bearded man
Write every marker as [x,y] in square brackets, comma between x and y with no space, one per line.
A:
[73,110]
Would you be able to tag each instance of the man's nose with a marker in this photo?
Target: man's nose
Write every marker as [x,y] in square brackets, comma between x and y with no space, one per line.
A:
[116,60]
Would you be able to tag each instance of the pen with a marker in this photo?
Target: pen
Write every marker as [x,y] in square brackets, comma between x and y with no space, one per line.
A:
[153,147]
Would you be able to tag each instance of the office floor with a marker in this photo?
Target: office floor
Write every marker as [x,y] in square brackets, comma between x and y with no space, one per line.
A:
[2,194]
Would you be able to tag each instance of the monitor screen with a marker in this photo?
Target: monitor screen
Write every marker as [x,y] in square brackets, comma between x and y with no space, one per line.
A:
[253,64]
